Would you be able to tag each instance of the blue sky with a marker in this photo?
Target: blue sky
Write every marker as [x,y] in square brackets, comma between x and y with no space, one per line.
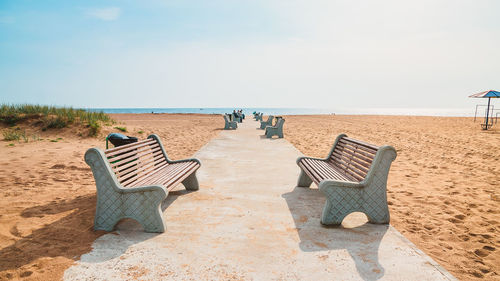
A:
[389,54]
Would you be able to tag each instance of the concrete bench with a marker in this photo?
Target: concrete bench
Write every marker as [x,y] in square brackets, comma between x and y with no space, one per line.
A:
[269,122]
[353,178]
[134,179]
[276,130]
[229,124]
[258,117]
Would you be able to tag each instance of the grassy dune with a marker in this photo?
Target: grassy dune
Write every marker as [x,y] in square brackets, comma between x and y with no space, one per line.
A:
[49,117]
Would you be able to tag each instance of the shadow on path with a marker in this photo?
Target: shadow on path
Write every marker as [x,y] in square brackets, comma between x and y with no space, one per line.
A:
[360,240]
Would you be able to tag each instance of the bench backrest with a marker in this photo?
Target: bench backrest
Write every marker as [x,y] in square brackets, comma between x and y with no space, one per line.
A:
[279,123]
[353,157]
[133,162]
[270,119]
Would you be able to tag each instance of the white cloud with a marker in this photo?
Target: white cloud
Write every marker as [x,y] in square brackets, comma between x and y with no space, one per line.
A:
[106,14]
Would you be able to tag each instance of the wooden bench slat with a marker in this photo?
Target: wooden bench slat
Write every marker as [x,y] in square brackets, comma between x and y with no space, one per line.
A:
[146,159]
[319,170]
[350,163]
[131,156]
[128,180]
[326,170]
[169,176]
[365,144]
[367,157]
[314,170]
[140,168]
[132,152]
[345,174]
[150,172]
[118,149]
[350,173]
[158,175]
[365,166]
[139,177]
[310,172]
[180,176]
[353,147]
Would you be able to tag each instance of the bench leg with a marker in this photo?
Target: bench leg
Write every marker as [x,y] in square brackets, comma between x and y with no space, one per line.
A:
[304,180]
[377,210]
[191,182]
[269,133]
[144,207]
[340,202]
[332,214]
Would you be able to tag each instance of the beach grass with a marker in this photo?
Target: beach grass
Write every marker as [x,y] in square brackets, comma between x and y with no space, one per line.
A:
[123,129]
[53,117]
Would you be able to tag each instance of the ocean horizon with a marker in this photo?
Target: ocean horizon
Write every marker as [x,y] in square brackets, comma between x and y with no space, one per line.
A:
[448,112]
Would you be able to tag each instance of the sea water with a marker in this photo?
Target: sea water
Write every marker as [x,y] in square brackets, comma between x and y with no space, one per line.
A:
[457,112]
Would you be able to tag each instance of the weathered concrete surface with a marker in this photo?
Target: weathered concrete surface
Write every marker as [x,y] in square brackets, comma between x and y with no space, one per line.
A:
[249,221]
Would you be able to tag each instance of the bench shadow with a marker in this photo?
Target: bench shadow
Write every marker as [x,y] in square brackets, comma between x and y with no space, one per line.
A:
[73,236]
[360,238]
[69,237]
[263,137]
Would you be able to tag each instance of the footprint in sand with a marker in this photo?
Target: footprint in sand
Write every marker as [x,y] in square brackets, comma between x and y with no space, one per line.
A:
[486,236]
[58,166]
[454,220]
[464,237]
[481,252]
[489,248]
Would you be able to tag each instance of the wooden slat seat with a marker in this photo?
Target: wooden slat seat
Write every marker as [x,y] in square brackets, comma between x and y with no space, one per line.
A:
[353,177]
[132,181]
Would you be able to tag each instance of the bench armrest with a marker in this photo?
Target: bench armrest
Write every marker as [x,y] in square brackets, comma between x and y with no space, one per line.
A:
[325,184]
[381,164]
[184,160]
[153,136]
[160,189]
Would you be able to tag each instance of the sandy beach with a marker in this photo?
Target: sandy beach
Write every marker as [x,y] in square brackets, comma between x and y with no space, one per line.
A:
[443,187]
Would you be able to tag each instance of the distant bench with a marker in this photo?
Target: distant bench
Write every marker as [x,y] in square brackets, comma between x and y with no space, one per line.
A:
[353,177]
[134,179]
[276,130]
[228,124]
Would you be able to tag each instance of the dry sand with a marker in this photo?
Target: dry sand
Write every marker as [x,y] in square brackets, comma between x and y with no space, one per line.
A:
[443,187]
[48,196]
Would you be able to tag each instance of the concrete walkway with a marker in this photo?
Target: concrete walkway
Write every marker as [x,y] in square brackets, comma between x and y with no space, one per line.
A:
[248,221]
